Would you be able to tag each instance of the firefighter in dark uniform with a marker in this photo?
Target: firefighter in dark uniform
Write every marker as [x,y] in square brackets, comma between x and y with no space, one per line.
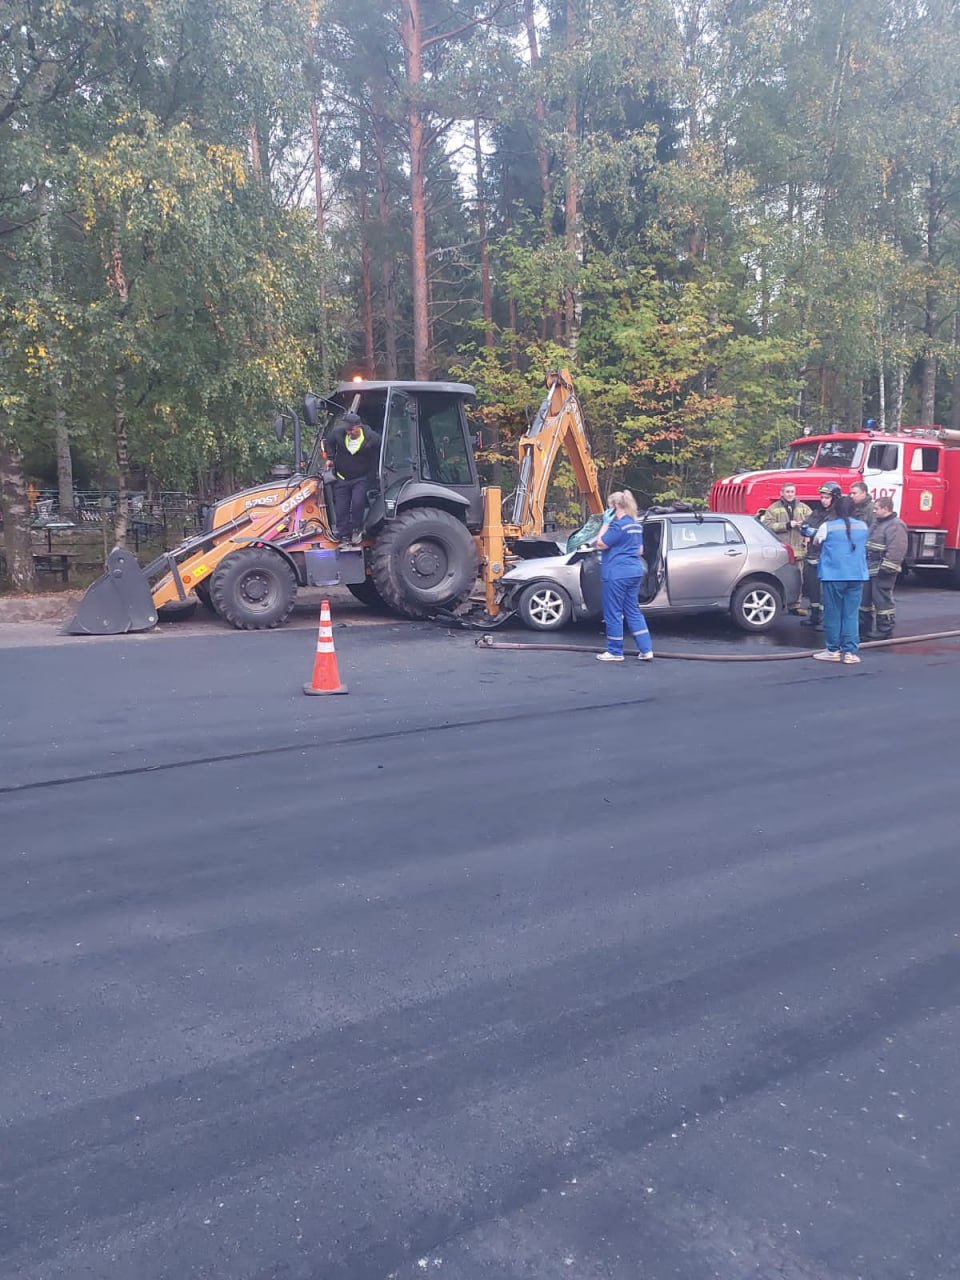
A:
[886,550]
[862,503]
[829,493]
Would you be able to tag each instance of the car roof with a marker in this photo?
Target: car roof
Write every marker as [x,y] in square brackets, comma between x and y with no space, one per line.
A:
[734,518]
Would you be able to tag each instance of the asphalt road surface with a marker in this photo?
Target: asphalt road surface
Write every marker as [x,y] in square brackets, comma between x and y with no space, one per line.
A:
[507,966]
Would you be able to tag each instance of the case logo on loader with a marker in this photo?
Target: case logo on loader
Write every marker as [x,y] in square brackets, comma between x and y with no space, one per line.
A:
[295,499]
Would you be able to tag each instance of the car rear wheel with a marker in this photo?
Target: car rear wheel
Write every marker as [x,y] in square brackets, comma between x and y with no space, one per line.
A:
[543,606]
[755,606]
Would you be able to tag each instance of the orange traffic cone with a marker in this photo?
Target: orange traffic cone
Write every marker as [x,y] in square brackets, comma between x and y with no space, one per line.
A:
[326,677]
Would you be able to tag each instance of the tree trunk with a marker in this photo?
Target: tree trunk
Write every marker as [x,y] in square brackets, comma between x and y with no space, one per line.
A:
[881,369]
[928,381]
[256,158]
[555,317]
[366,281]
[321,238]
[571,229]
[412,36]
[57,391]
[120,393]
[896,406]
[123,458]
[65,501]
[486,290]
[383,211]
[16,518]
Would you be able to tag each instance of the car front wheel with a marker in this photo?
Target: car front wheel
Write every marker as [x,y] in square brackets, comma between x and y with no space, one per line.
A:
[543,606]
[755,606]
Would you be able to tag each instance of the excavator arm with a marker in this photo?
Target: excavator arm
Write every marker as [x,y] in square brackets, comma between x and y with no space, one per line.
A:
[557,425]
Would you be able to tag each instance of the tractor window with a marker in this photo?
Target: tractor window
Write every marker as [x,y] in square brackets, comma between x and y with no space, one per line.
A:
[443,450]
[925,458]
[883,457]
[399,442]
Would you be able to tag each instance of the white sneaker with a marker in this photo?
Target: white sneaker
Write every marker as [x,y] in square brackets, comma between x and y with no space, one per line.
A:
[609,657]
[827,655]
[645,657]
[851,658]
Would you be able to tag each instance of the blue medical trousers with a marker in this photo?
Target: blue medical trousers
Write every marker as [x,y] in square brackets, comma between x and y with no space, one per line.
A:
[841,615]
[619,603]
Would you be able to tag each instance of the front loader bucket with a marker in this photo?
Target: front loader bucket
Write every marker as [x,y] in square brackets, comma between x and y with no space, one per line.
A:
[117,602]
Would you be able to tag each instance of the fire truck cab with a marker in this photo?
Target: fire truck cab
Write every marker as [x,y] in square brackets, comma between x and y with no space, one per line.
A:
[919,468]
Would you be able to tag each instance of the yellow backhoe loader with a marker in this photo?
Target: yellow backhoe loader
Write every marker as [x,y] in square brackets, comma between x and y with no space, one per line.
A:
[430,528]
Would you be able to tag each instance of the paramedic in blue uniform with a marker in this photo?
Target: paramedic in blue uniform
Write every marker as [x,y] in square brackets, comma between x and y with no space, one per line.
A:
[621,571]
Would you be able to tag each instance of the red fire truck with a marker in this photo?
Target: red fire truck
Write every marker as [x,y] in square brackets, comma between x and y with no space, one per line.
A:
[919,468]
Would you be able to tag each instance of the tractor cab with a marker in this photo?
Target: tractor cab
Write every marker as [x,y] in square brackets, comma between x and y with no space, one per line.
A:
[426,451]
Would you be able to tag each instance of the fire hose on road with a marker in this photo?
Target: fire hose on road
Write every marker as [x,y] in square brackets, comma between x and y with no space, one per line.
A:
[488,642]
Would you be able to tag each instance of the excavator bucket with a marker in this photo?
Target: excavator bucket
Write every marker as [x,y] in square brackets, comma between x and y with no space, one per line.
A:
[117,602]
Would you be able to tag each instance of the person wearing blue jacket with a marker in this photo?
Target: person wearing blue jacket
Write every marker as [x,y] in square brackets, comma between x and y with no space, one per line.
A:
[842,571]
[622,570]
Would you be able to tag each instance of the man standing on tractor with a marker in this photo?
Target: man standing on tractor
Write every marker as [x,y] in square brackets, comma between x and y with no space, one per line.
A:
[784,518]
[886,548]
[353,450]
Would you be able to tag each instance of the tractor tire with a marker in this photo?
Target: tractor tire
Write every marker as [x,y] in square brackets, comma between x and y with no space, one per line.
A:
[424,560]
[253,589]
[366,592]
[202,592]
[179,611]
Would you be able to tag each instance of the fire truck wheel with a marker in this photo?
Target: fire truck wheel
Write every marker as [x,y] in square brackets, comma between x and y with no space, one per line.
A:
[755,606]
[254,589]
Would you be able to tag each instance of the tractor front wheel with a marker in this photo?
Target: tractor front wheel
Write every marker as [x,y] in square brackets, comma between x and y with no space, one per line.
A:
[253,589]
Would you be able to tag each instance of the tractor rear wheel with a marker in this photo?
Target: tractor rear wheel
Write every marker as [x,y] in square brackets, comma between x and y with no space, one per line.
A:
[424,560]
[366,592]
[202,592]
[253,589]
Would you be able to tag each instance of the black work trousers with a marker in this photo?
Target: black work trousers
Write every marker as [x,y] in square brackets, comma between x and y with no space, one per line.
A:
[811,583]
[350,500]
[878,601]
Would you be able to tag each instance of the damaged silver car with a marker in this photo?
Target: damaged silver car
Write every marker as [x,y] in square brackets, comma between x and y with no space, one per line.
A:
[697,562]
